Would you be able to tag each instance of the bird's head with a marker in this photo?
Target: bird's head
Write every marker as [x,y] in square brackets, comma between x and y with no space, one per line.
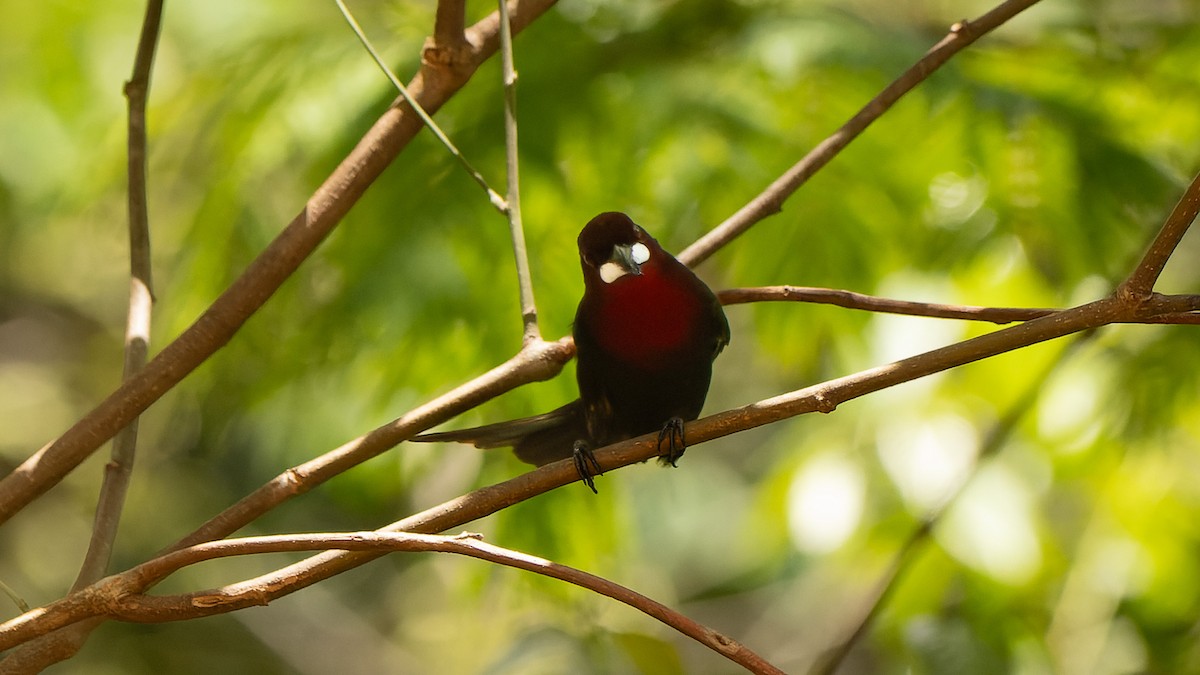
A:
[612,246]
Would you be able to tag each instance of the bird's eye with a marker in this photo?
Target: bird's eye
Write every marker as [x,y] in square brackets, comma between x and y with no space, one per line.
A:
[639,253]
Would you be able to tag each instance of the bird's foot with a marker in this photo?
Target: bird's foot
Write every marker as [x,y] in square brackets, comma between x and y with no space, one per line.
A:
[585,462]
[672,433]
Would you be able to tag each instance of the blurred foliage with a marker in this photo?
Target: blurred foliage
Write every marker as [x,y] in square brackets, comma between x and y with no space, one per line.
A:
[1031,171]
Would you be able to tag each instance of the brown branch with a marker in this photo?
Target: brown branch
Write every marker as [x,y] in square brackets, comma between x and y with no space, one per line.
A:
[512,196]
[1141,281]
[121,597]
[1174,309]
[449,25]
[141,295]
[871,303]
[536,361]
[770,201]
[137,331]
[432,87]
[62,645]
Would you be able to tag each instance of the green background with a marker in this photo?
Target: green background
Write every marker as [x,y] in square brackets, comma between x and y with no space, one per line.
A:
[1030,171]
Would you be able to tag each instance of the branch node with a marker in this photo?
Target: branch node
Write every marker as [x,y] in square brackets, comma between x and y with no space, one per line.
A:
[825,405]
[453,58]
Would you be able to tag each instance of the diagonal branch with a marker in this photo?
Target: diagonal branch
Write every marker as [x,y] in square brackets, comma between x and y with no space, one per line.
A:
[496,200]
[536,361]
[770,201]
[432,87]
[1141,281]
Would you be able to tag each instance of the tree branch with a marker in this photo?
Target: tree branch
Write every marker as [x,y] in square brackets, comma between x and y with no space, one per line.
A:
[1166,308]
[822,397]
[141,294]
[61,645]
[432,87]
[770,201]
[493,197]
[513,196]
[871,303]
[121,597]
[1141,281]
[448,27]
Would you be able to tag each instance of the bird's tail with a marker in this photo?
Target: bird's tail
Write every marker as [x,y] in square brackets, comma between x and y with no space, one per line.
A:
[539,439]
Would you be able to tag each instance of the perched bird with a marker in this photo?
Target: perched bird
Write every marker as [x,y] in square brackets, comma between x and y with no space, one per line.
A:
[646,333]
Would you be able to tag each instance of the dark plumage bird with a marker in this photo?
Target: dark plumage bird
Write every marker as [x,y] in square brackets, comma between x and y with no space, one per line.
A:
[646,333]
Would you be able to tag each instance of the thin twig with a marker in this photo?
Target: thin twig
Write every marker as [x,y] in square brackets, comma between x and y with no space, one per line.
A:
[141,299]
[512,162]
[218,324]
[14,597]
[536,361]
[493,197]
[871,303]
[1180,312]
[61,645]
[770,201]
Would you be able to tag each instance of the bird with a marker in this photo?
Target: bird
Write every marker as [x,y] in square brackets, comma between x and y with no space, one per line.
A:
[646,331]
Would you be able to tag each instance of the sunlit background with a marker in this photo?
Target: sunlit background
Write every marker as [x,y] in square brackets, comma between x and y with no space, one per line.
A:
[1063,482]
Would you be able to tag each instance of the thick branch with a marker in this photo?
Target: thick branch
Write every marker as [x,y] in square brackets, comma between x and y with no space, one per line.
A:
[432,87]
[770,201]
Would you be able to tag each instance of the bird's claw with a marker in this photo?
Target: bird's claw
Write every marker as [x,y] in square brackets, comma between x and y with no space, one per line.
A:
[585,462]
[672,433]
